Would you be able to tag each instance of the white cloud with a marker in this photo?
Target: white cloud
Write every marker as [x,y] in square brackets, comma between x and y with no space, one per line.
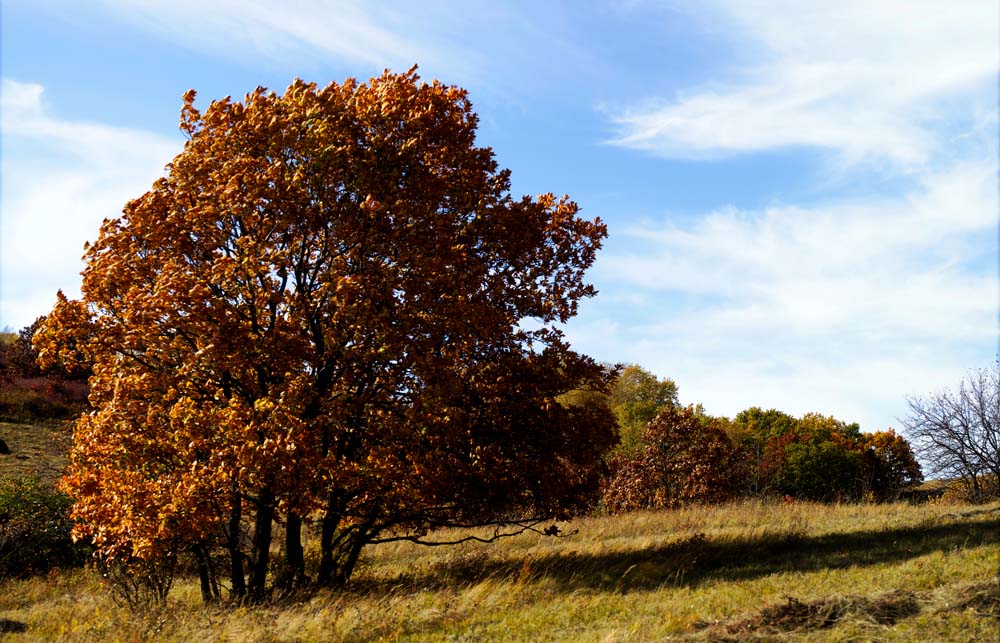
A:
[843,308]
[846,305]
[61,179]
[373,34]
[859,78]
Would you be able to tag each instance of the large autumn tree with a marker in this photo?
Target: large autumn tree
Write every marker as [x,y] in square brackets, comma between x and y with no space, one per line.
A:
[330,311]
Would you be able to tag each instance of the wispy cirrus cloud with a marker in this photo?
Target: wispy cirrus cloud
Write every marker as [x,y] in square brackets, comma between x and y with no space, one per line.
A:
[61,178]
[375,34]
[509,51]
[868,81]
[918,263]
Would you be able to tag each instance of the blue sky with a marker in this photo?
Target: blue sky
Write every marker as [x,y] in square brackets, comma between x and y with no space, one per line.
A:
[801,196]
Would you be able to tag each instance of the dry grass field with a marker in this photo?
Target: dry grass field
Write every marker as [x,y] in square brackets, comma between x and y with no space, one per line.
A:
[739,572]
[35,449]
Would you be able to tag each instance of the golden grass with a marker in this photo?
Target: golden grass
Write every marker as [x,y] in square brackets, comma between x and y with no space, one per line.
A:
[747,571]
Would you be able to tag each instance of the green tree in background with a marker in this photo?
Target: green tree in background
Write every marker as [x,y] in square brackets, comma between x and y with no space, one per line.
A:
[890,465]
[819,457]
[637,396]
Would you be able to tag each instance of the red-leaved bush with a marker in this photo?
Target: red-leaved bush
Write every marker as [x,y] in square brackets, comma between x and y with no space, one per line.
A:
[685,458]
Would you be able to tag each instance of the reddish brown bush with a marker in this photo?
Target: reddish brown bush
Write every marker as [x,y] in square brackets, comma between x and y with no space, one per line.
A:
[685,458]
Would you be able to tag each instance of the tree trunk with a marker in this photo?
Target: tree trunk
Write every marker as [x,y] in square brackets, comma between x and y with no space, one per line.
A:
[236,577]
[261,556]
[360,536]
[294,554]
[206,575]
[977,491]
[347,568]
[328,529]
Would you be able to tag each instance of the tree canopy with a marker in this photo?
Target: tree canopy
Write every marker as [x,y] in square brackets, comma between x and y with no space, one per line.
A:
[316,317]
[819,457]
[636,397]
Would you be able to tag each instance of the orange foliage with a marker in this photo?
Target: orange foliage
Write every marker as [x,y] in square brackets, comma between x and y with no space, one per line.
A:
[316,316]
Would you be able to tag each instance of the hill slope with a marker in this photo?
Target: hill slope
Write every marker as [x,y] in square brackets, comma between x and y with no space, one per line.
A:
[35,449]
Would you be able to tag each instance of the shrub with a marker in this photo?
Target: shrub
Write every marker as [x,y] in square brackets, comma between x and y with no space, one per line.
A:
[137,583]
[685,458]
[29,393]
[35,529]
[818,457]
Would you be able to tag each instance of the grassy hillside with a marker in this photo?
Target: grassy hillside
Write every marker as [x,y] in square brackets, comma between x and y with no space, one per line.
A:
[732,573]
[35,449]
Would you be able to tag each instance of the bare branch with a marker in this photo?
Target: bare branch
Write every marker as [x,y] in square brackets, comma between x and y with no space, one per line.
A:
[498,534]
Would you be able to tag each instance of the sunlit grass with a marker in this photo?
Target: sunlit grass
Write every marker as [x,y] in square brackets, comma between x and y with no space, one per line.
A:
[876,572]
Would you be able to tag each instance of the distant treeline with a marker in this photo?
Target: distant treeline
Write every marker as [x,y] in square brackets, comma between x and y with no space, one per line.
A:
[672,455]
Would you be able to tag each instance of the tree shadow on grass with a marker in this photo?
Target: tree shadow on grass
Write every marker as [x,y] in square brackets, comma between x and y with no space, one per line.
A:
[696,559]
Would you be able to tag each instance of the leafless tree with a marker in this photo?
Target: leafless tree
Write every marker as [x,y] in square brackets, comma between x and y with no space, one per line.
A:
[957,434]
